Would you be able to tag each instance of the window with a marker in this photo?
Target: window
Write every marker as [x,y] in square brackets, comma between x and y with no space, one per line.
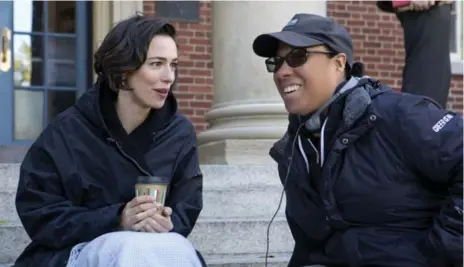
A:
[178,10]
[49,64]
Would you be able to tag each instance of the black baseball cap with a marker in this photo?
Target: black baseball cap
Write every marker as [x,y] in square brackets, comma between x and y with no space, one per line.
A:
[306,30]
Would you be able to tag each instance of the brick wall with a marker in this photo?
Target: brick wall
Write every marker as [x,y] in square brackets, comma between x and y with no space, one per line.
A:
[378,43]
[195,91]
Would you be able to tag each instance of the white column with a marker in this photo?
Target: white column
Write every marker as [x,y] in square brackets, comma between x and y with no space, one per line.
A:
[125,9]
[107,13]
[248,115]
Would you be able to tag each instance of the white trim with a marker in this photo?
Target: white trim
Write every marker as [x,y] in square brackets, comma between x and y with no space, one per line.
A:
[300,146]
[322,142]
[107,13]
[457,57]
[458,32]
[125,9]
[456,67]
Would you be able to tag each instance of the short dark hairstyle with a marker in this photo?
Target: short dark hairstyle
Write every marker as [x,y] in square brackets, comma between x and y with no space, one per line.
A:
[125,48]
[356,70]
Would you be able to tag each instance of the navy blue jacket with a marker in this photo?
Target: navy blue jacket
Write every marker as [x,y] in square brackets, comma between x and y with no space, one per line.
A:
[81,171]
[389,192]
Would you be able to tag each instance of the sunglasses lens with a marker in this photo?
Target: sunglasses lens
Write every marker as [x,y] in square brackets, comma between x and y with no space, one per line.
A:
[273,64]
[270,65]
[297,58]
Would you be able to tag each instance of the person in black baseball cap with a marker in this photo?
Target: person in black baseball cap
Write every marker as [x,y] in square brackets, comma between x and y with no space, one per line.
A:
[319,51]
[372,177]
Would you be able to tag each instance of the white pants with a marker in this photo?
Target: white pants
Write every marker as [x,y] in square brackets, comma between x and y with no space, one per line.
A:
[135,249]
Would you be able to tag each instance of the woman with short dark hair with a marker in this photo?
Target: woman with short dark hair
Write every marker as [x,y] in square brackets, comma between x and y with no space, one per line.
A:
[76,193]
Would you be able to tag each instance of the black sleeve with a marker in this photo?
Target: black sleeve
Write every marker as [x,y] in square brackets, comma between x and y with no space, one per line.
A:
[385,6]
[185,195]
[432,139]
[49,218]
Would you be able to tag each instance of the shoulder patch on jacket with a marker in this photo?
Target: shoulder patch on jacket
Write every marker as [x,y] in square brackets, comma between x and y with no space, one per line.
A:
[442,122]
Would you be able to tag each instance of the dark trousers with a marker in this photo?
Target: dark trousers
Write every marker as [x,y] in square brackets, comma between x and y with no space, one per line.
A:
[427,68]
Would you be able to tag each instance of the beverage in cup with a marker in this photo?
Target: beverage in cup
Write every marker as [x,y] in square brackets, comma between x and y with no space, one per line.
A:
[154,186]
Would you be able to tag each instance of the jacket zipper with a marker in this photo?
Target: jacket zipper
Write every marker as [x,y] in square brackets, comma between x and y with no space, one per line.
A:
[129,157]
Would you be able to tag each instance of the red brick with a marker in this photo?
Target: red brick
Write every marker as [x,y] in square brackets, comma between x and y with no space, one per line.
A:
[200,72]
[199,89]
[199,104]
[200,65]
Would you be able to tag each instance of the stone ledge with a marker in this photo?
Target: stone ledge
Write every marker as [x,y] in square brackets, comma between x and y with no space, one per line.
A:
[247,260]
[237,152]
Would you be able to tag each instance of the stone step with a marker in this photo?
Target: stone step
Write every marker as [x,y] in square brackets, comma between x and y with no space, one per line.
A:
[9,174]
[241,176]
[229,191]
[256,202]
[14,239]
[7,207]
[247,260]
[211,236]
[236,260]
[215,176]
[238,204]
[241,236]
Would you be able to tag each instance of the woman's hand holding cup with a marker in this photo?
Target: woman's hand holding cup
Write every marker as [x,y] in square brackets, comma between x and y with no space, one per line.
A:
[138,210]
[160,222]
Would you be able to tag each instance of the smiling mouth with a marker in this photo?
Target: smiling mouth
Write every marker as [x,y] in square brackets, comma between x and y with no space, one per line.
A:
[291,89]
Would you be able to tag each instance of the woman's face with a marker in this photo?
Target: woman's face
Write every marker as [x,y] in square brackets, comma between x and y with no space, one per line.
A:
[150,84]
[307,87]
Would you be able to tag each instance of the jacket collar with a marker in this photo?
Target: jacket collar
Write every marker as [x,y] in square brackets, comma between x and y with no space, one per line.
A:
[349,106]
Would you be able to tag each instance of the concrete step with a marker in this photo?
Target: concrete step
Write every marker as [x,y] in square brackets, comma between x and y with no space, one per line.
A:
[215,176]
[247,260]
[229,191]
[236,260]
[238,204]
[241,236]
[259,201]
[241,176]
[14,239]
[9,174]
[212,236]
[7,206]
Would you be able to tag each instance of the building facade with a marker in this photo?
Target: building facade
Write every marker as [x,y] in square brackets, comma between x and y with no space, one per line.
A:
[46,62]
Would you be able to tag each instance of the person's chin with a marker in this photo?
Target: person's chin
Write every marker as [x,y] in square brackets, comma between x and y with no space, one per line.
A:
[294,109]
[157,104]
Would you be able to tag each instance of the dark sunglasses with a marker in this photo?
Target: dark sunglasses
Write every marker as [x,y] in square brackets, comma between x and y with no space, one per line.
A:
[294,58]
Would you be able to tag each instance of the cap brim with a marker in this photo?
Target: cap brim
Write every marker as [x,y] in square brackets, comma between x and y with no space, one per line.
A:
[266,45]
